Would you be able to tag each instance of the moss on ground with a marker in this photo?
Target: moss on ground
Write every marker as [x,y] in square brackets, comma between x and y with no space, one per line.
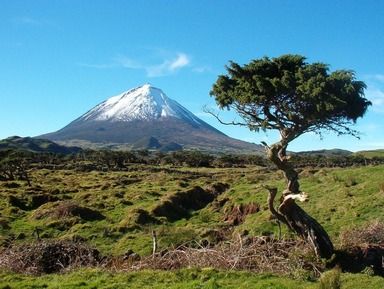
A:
[340,199]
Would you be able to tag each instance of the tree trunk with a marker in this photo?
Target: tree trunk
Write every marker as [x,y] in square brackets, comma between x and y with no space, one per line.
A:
[289,212]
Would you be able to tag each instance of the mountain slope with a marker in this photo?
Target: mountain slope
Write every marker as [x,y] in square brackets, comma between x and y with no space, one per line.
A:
[142,103]
[35,145]
[141,115]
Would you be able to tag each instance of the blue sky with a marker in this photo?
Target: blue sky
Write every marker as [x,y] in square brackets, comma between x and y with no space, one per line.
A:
[60,58]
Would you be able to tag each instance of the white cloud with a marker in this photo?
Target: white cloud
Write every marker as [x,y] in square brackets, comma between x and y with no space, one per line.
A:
[168,66]
[181,61]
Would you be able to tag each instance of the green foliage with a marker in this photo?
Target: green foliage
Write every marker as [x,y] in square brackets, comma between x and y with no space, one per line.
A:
[288,94]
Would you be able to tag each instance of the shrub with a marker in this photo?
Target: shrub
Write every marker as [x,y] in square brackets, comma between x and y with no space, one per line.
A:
[48,257]
[370,234]
[330,279]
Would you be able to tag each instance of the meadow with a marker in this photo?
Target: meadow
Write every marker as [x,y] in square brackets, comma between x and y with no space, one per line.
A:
[211,225]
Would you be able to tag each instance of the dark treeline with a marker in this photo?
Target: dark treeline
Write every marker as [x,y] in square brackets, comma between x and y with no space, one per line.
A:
[334,160]
[15,164]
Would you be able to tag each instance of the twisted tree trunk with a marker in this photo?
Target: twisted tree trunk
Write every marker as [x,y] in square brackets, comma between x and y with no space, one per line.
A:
[288,211]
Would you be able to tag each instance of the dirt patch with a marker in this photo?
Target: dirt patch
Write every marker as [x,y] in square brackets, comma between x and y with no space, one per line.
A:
[180,204]
[33,202]
[11,185]
[235,215]
[142,217]
[39,200]
[63,209]
[48,257]
[17,202]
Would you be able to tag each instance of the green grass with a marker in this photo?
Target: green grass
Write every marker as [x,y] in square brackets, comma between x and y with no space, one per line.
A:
[371,154]
[180,279]
[340,199]
[205,278]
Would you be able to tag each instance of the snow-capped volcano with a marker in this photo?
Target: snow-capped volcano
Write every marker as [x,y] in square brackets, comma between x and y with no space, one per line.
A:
[142,103]
[145,117]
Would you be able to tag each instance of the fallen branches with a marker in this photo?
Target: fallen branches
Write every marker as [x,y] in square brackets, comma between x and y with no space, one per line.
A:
[48,257]
[257,254]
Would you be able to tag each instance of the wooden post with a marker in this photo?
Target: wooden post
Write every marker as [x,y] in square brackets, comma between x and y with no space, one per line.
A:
[154,243]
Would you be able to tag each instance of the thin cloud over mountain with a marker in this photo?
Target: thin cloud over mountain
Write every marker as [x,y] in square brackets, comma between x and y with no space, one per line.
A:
[167,66]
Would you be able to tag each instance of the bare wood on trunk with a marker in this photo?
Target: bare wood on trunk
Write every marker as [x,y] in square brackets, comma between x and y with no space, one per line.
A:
[288,211]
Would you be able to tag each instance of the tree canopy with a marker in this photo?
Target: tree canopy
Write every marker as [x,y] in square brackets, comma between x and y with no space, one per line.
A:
[294,97]
[288,94]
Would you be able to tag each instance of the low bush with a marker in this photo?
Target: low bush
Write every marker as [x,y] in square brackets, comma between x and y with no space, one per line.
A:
[330,279]
[48,257]
[370,234]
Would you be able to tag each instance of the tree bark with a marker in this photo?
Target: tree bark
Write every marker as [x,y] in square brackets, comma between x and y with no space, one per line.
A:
[288,211]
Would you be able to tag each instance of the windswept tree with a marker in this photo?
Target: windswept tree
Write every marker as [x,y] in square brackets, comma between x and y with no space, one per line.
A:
[293,97]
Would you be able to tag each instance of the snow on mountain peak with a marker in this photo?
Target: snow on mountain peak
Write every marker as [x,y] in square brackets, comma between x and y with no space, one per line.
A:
[141,103]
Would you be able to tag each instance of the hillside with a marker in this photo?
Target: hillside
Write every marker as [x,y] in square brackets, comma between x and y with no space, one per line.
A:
[116,211]
[326,153]
[121,197]
[371,153]
[35,145]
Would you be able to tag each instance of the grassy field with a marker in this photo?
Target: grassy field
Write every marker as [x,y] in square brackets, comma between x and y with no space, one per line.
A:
[371,154]
[117,212]
[180,279]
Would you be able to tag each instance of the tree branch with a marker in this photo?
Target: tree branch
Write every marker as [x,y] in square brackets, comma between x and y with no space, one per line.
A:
[271,198]
[216,115]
